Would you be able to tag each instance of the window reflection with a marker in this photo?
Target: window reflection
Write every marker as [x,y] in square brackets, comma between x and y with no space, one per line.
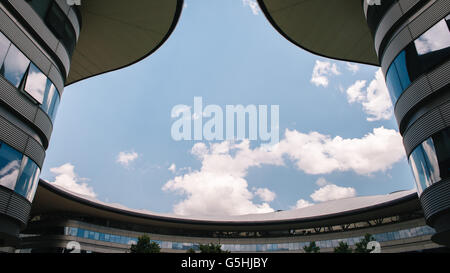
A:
[4,46]
[430,161]
[28,180]
[10,160]
[15,66]
[428,51]
[436,38]
[36,83]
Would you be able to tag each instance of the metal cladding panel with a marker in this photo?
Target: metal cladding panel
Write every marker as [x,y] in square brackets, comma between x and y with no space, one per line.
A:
[397,44]
[439,77]
[62,54]
[435,199]
[391,17]
[44,123]
[74,21]
[27,46]
[12,97]
[426,126]
[14,205]
[415,93]
[33,19]
[56,78]
[413,30]
[35,151]
[429,17]
[12,136]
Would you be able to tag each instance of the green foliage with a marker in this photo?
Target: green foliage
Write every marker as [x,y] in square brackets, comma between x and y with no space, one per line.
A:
[212,248]
[361,247]
[342,248]
[312,248]
[144,245]
[190,250]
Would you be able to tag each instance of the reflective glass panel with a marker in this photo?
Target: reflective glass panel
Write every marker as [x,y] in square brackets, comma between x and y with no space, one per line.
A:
[15,66]
[4,46]
[28,180]
[36,83]
[393,84]
[402,70]
[436,38]
[10,160]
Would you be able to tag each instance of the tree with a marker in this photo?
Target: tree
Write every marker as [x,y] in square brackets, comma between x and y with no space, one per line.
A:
[312,248]
[212,248]
[144,245]
[361,247]
[190,250]
[342,248]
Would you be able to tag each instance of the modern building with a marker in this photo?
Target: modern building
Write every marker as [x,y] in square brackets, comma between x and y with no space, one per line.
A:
[46,45]
[60,217]
[410,40]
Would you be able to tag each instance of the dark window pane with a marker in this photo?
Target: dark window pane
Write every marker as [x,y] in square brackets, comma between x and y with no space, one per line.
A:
[10,160]
[28,180]
[40,6]
[376,12]
[36,83]
[4,46]
[69,37]
[402,70]
[48,97]
[393,84]
[442,146]
[55,105]
[15,66]
[55,20]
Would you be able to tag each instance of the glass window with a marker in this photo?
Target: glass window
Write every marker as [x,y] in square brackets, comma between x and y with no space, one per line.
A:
[15,66]
[10,160]
[4,46]
[402,70]
[40,6]
[393,84]
[430,161]
[28,179]
[434,39]
[54,105]
[36,83]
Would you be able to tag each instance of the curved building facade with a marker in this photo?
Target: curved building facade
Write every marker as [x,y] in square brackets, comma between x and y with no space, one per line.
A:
[44,46]
[410,40]
[60,217]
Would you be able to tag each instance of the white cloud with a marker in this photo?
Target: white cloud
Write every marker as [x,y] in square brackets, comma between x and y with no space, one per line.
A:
[352,67]
[265,194]
[302,204]
[332,192]
[253,6]
[125,158]
[375,99]
[321,71]
[173,168]
[322,182]
[315,153]
[220,187]
[68,179]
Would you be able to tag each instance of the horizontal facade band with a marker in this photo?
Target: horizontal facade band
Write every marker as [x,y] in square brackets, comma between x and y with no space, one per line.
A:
[436,199]
[395,13]
[427,85]
[427,125]
[425,18]
[14,205]
[21,141]
[32,113]
[30,48]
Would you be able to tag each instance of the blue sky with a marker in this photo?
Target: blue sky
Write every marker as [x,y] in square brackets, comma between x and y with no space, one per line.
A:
[228,53]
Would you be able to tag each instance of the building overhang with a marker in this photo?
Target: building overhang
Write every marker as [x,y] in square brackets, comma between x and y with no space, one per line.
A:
[330,28]
[118,33]
[52,199]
